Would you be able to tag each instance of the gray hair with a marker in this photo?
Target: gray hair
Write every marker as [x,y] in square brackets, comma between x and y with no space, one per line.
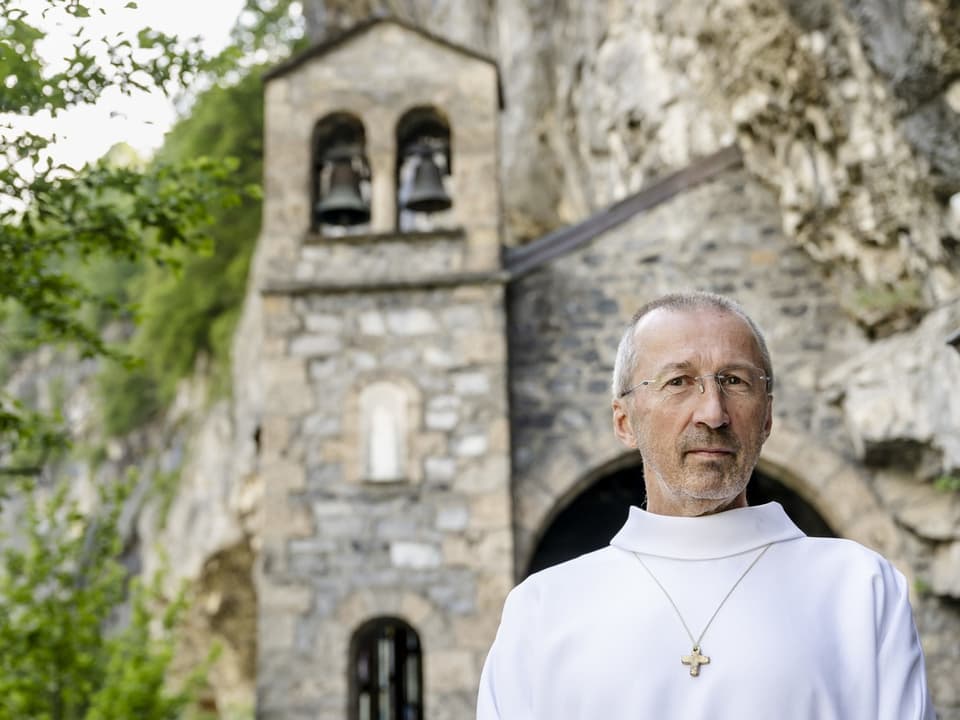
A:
[628,354]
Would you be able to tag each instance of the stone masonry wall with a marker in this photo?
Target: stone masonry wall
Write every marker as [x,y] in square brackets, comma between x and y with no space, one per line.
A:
[566,319]
[337,551]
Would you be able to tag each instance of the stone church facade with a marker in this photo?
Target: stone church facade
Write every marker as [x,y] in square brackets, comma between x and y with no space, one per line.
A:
[430,403]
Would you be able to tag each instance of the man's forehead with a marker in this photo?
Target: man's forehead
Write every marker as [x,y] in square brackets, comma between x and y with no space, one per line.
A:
[682,334]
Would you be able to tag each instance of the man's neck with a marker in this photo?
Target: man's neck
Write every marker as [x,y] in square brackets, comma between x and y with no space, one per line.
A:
[694,507]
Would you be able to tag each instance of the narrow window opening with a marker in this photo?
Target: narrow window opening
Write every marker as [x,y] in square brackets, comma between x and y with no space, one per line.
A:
[387,682]
[384,430]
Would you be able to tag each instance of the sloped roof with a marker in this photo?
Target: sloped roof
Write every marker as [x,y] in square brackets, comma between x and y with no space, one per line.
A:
[521,260]
[325,46]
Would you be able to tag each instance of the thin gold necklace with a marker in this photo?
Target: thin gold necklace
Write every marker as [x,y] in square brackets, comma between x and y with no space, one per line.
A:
[695,659]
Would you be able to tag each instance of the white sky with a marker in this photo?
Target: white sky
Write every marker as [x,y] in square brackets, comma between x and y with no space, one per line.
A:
[85,133]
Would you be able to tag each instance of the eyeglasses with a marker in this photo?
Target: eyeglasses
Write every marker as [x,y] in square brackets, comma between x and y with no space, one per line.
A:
[737,382]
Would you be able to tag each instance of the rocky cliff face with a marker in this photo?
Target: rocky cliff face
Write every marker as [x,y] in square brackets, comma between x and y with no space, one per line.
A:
[848,108]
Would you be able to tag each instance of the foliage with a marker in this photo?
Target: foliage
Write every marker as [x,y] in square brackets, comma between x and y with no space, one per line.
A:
[880,302]
[152,60]
[128,398]
[922,587]
[266,31]
[191,313]
[53,219]
[947,483]
[60,589]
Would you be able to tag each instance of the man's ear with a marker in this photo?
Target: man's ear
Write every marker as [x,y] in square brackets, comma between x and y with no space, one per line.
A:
[768,423]
[622,425]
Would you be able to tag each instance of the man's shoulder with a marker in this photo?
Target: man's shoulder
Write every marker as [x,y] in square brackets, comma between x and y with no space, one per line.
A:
[590,569]
[842,556]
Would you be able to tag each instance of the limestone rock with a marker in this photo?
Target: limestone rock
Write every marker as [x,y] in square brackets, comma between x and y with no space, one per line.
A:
[945,572]
[898,397]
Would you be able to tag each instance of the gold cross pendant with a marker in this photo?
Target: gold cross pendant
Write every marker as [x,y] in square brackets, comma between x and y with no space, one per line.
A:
[695,660]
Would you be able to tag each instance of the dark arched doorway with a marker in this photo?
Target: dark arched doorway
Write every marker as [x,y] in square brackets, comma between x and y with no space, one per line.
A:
[593,517]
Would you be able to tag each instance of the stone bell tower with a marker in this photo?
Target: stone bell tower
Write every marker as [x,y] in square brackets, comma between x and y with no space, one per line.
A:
[383,441]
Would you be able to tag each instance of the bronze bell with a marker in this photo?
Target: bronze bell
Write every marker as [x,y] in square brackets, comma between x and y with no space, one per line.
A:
[427,194]
[343,204]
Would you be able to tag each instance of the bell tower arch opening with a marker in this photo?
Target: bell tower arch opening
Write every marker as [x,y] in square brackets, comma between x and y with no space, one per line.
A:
[424,170]
[340,178]
[592,517]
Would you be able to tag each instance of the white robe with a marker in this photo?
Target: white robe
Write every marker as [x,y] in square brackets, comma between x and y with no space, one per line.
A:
[819,629]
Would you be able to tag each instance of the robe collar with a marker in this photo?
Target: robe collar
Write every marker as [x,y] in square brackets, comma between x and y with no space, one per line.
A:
[708,537]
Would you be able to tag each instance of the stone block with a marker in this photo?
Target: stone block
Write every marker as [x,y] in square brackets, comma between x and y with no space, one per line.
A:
[415,609]
[415,555]
[457,551]
[332,508]
[493,585]
[397,527]
[274,347]
[284,382]
[411,321]
[482,348]
[356,608]
[315,345]
[280,633]
[323,324]
[321,425]
[430,443]
[453,595]
[452,517]
[441,419]
[475,632]
[471,383]
[292,599]
[494,548]
[439,469]
[301,520]
[363,361]
[470,446]
[490,511]
[274,435]
[350,526]
[462,318]
[276,305]
[498,433]
[281,477]
[372,323]
[450,670]
[435,357]
[484,474]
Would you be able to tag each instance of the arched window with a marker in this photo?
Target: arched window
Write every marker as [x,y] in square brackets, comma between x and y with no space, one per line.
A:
[384,431]
[424,171]
[386,672]
[340,177]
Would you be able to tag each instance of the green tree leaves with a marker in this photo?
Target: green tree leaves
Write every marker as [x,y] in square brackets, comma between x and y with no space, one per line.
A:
[54,222]
[148,61]
[60,589]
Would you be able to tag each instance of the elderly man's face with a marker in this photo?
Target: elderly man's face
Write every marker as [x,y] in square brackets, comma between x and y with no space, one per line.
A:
[700,449]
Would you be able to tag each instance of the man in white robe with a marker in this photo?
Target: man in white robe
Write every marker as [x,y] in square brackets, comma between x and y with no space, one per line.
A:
[703,607]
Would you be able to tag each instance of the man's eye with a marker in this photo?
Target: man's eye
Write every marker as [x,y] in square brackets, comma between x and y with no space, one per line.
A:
[730,379]
[679,381]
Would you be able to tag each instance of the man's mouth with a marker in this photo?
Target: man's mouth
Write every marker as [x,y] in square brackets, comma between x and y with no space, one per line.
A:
[710,452]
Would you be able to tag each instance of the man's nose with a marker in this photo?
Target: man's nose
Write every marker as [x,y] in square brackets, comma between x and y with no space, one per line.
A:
[711,403]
